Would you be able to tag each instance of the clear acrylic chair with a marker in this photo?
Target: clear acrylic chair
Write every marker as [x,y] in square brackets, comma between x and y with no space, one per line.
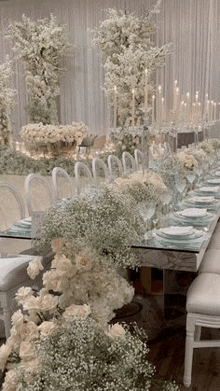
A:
[12,210]
[39,195]
[83,177]
[128,162]
[12,203]
[100,170]
[115,166]
[139,159]
[62,184]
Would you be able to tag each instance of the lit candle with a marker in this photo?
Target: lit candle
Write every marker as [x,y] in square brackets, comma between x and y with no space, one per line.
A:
[187,107]
[146,89]
[199,118]
[205,115]
[162,110]
[214,111]
[153,109]
[174,96]
[132,107]
[159,105]
[115,107]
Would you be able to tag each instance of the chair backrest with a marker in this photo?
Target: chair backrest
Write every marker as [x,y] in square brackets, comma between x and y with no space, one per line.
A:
[128,162]
[39,197]
[139,159]
[83,177]
[62,184]
[12,205]
[99,167]
[115,166]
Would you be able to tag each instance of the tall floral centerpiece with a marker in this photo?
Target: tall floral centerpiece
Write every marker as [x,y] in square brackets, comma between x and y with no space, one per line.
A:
[41,45]
[7,96]
[130,58]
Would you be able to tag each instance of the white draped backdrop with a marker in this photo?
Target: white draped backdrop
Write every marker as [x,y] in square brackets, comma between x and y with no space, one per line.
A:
[192,26]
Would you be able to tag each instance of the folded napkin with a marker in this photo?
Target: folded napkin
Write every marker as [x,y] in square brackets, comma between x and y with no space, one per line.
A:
[193,212]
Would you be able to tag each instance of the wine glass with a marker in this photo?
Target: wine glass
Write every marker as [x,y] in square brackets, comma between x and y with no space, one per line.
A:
[147,211]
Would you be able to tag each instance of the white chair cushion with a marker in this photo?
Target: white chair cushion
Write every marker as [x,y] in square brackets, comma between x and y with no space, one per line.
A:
[203,295]
[13,271]
[210,262]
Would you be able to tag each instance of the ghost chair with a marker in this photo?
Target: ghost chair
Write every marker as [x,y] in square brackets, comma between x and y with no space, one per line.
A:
[83,177]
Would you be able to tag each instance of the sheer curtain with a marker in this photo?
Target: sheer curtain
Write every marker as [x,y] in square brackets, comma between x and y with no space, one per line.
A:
[192,26]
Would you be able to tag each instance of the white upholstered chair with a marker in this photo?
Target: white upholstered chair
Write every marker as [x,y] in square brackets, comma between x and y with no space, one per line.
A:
[203,310]
[83,177]
[62,184]
[39,195]
[100,170]
[115,166]
[128,162]
[13,274]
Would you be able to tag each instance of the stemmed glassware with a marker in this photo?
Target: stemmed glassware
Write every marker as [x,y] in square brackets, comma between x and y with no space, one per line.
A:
[147,211]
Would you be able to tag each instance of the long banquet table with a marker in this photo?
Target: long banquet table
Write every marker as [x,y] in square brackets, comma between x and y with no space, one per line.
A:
[177,260]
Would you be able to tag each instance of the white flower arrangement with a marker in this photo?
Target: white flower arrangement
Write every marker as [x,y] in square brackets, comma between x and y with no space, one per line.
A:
[188,160]
[100,219]
[7,99]
[38,134]
[143,187]
[41,45]
[127,49]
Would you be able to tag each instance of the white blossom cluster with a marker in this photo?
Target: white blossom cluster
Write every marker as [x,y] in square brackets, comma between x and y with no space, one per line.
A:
[35,134]
[188,160]
[125,43]
[41,45]
[7,98]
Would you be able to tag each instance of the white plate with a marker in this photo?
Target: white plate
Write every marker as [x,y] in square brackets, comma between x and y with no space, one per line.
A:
[193,212]
[214,181]
[207,189]
[203,200]
[174,231]
[196,234]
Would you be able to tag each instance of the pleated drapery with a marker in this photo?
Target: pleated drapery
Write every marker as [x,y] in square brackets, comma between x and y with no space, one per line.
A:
[192,26]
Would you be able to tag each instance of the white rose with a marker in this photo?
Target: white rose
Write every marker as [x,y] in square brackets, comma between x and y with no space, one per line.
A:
[82,311]
[116,331]
[28,330]
[46,328]
[5,350]
[32,303]
[10,380]
[48,302]
[57,245]
[26,351]
[34,267]
[17,318]
[22,294]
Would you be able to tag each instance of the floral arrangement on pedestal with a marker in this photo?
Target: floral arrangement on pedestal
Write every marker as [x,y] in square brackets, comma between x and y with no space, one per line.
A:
[41,45]
[62,339]
[130,59]
[7,97]
[53,136]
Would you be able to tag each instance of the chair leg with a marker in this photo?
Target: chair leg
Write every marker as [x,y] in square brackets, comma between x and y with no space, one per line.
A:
[197,333]
[190,331]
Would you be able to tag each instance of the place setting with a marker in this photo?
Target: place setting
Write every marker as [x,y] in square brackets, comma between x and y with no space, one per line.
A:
[178,237]
[207,202]
[195,216]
